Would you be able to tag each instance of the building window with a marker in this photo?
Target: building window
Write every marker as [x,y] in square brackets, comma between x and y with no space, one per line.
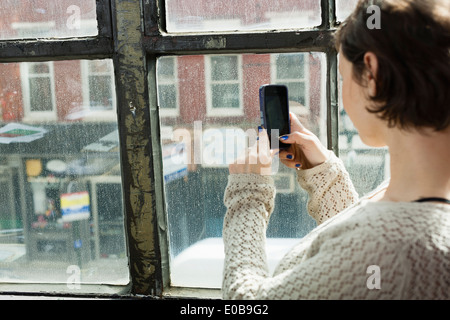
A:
[98,90]
[100,85]
[167,88]
[291,69]
[38,85]
[224,85]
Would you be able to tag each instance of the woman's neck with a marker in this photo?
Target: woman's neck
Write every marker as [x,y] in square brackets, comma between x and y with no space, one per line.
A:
[419,164]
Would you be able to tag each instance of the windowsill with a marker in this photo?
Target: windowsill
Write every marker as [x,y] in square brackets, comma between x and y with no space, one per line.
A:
[198,293]
[101,291]
[35,290]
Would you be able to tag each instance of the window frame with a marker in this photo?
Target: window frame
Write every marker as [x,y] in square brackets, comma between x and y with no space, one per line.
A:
[133,34]
[220,111]
[26,77]
[171,112]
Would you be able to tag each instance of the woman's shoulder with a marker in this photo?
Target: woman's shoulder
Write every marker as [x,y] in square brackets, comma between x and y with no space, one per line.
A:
[390,223]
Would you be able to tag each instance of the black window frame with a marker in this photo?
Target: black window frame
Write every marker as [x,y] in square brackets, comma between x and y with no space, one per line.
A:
[133,34]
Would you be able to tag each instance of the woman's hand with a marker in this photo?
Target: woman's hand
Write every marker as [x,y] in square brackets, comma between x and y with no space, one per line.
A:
[306,150]
[256,159]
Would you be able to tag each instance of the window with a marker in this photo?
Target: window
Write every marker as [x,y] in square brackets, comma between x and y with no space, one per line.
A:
[192,16]
[25,19]
[117,124]
[167,89]
[224,83]
[98,90]
[368,167]
[38,90]
[100,85]
[292,71]
[62,198]
[197,152]
[344,8]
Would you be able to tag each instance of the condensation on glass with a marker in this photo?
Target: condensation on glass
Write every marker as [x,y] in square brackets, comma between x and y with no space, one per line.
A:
[24,19]
[209,109]
[61,216]
[344,8]
[229,15]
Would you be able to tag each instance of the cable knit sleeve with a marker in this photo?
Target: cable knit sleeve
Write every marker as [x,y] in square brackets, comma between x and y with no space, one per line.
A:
[329,188]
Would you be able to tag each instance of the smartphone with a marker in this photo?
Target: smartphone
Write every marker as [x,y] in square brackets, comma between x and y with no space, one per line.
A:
[274,107]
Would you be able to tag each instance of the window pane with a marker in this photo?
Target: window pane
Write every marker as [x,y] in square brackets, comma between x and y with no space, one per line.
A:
[230,15]
[225,96]
[100,94]
[40,68]
[22,19]
[199,144]
[224,68]
[290,66]
[297,92]
[166,68]
[167,96]
[41,94]
[61,216]
[344,8]
[368,167]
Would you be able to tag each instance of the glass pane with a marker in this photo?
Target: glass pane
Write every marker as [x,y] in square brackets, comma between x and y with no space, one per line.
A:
[41,93]
[100,94]
[199,143]
[61,216]
[290,66]
[167,96]
[297,92]
[166,68]
[225,96]
[40,68]
[368,167]
[224,68]
[22,19]
[344,8]
[230,15]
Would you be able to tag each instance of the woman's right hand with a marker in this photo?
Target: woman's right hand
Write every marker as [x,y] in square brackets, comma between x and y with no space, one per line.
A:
[306,150]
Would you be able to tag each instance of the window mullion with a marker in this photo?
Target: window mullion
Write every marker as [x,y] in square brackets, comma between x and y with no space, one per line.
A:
[136,150]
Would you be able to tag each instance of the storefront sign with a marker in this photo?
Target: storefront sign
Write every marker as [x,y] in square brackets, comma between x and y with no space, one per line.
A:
[17,132]
[75,206]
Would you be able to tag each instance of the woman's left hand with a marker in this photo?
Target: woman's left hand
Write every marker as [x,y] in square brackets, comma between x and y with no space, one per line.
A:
[256,159]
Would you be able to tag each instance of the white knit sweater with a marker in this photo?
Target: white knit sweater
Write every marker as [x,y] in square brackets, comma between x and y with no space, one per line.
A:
[360,250]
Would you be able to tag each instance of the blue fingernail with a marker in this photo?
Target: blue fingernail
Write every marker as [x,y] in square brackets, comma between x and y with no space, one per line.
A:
[289,156]
[260,129]
[298,165]
[284,138]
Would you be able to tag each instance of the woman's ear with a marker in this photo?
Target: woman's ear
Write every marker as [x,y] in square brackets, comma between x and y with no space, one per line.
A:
[371,62]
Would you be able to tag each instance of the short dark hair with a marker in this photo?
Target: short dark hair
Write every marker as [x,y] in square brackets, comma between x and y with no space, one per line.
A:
[412,45]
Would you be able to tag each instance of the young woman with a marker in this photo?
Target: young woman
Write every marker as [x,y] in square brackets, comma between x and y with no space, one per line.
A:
[395,242]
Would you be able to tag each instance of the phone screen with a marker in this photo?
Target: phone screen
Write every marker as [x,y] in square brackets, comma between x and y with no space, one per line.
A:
[276,112]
